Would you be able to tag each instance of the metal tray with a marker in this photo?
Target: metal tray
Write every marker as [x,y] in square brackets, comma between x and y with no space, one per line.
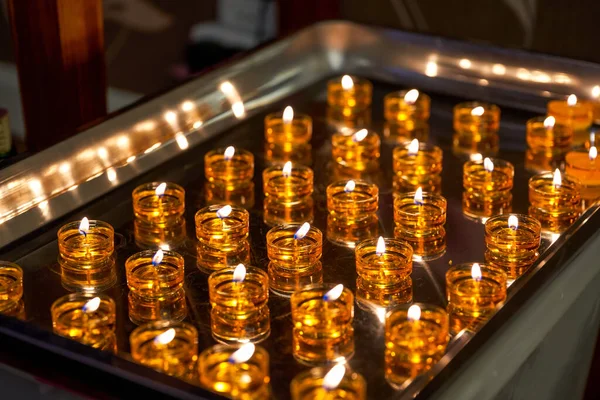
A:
[41,193]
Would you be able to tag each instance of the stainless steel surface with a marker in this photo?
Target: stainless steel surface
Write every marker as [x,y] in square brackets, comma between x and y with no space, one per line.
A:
[80,169]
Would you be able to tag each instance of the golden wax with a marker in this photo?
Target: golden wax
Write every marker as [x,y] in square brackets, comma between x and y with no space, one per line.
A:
[547,136]
[417,169]
[239,308]
[356,151]
[94,328]
[555,206]
[155,236]
[149,277]
[377,298]
[421,223]
[170,307]
[578,116]
[288,194]
[11,285]
[476,128]
[487,193]
[384,267]
[513,248]
[323,329]
[473,296]
[244,380]
[239,196]
[394,132]
[349,94]
[403,107]
[158,209]
[229,172]
[309,385]
[296,131]
[346,233]
[413,346]
[276,153]
[222,242]
[351,202]
[580,165]
[166,346]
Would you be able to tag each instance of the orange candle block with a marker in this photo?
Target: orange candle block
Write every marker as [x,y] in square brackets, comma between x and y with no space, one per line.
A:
[11,286]
[476,128]
[237,371]
[407,114]
[545,135]
[420,219]
[87,319]
[415,339]
[555,200]
[156,203]
[335,383]
[169,347]
[155,274]
[238,297]
[474,291]
[286,127]
[584,166]
[384,263]
[288,194]
[512,242]
[349,95]
[417,165]
[359,151]
[230,168]
[578,115]
[488,187]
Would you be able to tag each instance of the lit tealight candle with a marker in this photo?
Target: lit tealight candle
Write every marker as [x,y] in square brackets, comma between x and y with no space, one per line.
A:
[574,114]
[160,204]
[407,107]
[476,127]
[230,168]
[288,127]
[555,200]
[586,168]
[349,94]
[359,151]
[417,165]
[288,194]
[383,263]
[155,274]
[336,383]
[11,286]
[547,136]
[488,186]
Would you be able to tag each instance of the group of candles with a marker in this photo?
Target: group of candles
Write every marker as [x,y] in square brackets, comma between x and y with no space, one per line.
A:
[416,336]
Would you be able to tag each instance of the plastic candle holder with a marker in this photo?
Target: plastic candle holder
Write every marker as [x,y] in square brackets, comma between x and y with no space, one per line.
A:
[350,202]
[11,285]
[86,318]
[476,128]
[372,296]
[288,127]
[474,292]
[280,153]
[288,191]
[294,259]
[417,165]
[239,196]
[512,242]
[155,274]
[319,383]
[556,205]
[358,151]
[349,95]
[407,107]
[229,170]
[571,112]
[156,203]
[585,166]
[170,307]
[420,222]
[155,237]
[239,305]
[414,341]
[323,329]
[235,372]
[547,136]
[222,241]
[169,347]
[487,187]
[383,262]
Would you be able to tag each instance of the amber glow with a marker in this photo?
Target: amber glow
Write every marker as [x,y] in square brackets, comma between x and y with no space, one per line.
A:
[239,273]
[477,111]
[84,226]
[572,100]
[224,211]
[334,293]
[229,153]
[333,378]
[414,313]
[360,135]
[165,338]
[380,249]
[418,199]
[513,222]
[549,122]
[92,305]
[413,147]
[243,354]
[288,115]
[488,165]
[160,189]
[301,233]
[556,178]
[476,272]
[411,96]
[347,82]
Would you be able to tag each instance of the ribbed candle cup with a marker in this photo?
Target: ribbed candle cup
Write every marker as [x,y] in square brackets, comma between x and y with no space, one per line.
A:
[420,169]
[487,193]
[476,128]
[556,207]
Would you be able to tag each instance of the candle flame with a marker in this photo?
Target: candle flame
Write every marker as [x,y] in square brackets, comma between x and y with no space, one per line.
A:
[166,337]
[413,147]
[549,122]
[476,272]
[229,153]
[171,117]
[300,233]
[596,91]
[347,82]
[418,199]
[288,115]
[414,313]
[593,153]
[239,273]
[360,135]
[91,305]
[224,211]
[158,257]
[513,222]
[593,139]
[350,185]
[334,293]
[476,157]
[477,111]
[488,164]
[243,354]
[411,96]
[160,189]
[464,63]
[332,379]
[572,100]
[187,106]
[380,250]
[182,141]
[556,178]
[287,169]
[84,226]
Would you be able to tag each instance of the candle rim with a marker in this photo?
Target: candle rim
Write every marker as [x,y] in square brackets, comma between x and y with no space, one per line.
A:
[323,287]
[147,257]
[569,183]
[106,311]
[316,237]
[337,188]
